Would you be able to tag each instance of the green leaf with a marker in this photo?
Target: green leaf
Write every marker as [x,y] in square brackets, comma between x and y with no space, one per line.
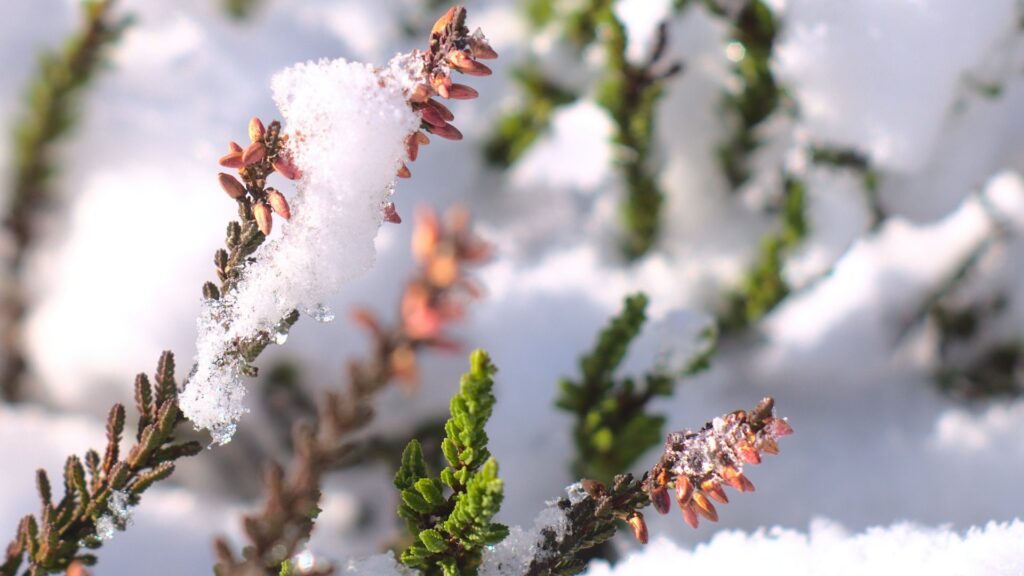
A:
[451,532]
[430,489]
[433,540]
[413,500]
[413,466]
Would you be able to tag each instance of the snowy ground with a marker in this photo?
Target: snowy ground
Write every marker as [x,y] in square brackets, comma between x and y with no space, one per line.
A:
[117,276]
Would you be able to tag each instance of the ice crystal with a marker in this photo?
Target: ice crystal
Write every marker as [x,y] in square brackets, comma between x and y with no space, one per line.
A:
[118,515]
[513,555]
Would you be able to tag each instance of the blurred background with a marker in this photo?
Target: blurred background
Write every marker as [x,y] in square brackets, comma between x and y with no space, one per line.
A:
[833,188]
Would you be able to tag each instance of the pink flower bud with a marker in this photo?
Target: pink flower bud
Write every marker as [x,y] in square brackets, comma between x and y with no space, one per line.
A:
[231,185]
[278,203]
[256,130]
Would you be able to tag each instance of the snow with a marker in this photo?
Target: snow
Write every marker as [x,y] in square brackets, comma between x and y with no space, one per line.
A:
[115,278]
[828,549]
[512,556]
[348,124]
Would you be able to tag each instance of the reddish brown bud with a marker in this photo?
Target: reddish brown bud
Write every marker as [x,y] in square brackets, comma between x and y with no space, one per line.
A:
[432,116]
[659,497]
[390,214]
[747,452]
[473,68]
[446,19]
[461,92]
[254,154]
[684,490]
[447,131]
[284,166]
[778,427]
[264,218]
[769,446]
[412,147]
[736,479]
[593,488]
[463,63]
[714,490]
[481,49]
[232,160]
[256,130]
[441,109]
[234,146]
[278,203]
[689,516]
[422,138]
[636,522]
[404,172]
[704,507]
[231,185]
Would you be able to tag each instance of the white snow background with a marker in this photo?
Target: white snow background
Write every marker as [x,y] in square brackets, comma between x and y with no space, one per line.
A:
[879,456]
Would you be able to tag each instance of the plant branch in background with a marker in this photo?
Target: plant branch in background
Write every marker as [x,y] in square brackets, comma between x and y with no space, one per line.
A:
[516,131]
[53,105]
[753,30]
[99,490]
[970,367]
[859,164]
[630,94]
[764,285]
[612,428]
[450,515]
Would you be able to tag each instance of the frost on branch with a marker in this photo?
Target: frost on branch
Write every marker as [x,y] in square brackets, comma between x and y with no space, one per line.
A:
[590,513]
[700,463]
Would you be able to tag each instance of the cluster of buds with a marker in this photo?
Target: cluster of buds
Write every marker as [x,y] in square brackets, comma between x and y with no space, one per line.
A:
[698,464]
[452,48]
[266,153]
[436,295]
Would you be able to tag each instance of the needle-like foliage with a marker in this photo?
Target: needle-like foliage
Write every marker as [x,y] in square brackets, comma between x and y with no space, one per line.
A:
[450,514]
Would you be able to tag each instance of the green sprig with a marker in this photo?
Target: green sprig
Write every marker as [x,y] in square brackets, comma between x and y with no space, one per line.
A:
[449,515]
[613,428]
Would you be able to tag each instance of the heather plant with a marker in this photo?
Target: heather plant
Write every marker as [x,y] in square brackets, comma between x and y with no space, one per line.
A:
[438,487]
[343,154]
[53,106]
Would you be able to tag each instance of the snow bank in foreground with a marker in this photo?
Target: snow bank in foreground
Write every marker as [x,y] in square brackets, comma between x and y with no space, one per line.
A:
[348,123]
[828,549]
